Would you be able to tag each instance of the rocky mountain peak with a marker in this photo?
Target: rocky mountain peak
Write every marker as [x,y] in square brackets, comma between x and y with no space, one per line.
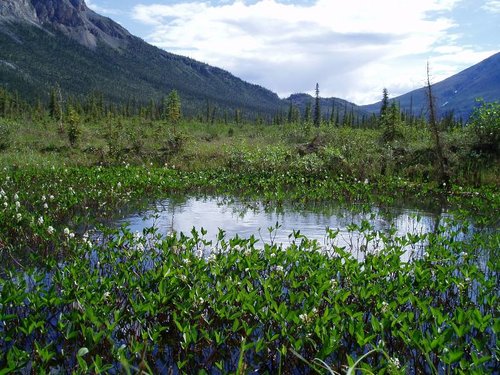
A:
[14,10]
[72,17]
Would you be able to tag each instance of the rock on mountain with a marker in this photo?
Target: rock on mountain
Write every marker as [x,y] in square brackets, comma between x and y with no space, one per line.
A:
[74,19]
[15,10]
[63,42]
[457,94]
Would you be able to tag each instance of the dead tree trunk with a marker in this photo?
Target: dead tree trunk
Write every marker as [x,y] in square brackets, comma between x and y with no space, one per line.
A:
[441,161]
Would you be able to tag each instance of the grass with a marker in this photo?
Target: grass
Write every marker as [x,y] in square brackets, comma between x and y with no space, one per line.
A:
[195,146]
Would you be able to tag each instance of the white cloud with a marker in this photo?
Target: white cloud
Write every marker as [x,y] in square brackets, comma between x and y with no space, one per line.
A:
[102,10]
[492,6]
[353,49]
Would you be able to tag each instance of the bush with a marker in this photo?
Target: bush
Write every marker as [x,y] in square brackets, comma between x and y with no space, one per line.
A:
[4,137]
[484,130]
[173,144]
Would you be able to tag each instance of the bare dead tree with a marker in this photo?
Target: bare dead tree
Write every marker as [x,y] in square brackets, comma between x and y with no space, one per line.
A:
[442,172]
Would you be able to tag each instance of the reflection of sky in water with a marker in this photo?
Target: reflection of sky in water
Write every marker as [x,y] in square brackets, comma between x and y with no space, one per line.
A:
[236,218]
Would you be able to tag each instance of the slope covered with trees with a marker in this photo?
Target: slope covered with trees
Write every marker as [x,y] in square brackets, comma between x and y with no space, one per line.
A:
[36,57]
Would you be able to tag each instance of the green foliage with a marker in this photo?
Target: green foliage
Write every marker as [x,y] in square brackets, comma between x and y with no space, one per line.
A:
[172,144]
[55,104]
[74,131]
[484,129]
[118,301]
[4,136]
[172,107]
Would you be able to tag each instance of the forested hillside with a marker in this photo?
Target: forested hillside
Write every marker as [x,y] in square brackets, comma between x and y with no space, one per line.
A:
[35,57]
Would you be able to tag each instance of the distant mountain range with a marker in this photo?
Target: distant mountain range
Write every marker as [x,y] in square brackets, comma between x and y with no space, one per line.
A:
[457,94]
[44,43]
[340,107]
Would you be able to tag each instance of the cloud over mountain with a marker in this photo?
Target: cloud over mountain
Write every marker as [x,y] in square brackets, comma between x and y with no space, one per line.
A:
[289,47]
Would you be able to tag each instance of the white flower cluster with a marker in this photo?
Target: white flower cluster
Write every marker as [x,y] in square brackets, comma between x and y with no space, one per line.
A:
[68,233]
[307,318]
[394,361]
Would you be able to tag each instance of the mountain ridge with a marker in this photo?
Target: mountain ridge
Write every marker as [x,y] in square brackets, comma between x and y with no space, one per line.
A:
[47,42]
[65,43]
[455,95]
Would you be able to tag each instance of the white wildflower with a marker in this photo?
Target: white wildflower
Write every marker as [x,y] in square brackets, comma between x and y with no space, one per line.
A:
[51,197]
[44,198]
[394,361]
[50,229]
[45,205]
[279,268]
[385,307]
[18,205]
[66,231]
[19,217]
[16,197]
[40,220]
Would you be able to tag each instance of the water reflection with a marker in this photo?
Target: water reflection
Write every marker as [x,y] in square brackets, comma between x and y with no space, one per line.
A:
[358,227]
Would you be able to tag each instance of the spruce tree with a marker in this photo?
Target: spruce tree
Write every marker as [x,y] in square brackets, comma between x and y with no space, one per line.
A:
[173,107]
[317,108]
[332,115]
[55,109]
[385,103]
[307,114]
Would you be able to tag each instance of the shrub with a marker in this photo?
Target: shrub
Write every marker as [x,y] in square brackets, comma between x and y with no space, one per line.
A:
[4,136]
[484,130]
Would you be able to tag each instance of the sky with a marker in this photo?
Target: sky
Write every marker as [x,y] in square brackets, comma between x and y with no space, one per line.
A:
[352,48]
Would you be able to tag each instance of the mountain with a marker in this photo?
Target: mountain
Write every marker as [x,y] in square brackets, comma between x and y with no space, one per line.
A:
[340,106]
[62,42]
[456,94]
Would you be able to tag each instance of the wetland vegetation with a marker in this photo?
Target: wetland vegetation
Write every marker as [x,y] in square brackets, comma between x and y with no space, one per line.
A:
[79,296]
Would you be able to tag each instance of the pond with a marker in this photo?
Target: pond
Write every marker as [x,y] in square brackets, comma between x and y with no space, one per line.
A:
[358,228]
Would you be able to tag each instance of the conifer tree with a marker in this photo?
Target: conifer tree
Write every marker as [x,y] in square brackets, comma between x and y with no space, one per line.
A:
[317,108]
[173,107]
[385,103]
[332,114]
[55,107]
[307,114]
[74,128]
[290,113]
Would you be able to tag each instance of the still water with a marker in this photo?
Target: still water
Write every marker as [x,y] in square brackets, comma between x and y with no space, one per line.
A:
[277,225]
